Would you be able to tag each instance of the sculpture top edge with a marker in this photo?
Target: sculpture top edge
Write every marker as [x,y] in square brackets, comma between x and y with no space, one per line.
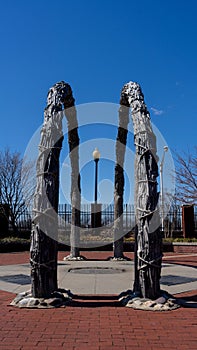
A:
[132,91]
[60,94]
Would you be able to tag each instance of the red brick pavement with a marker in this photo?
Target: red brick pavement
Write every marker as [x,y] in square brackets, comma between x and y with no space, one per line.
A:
[174,258]
[14,258]
[102,326]
[181,259]
[95,324]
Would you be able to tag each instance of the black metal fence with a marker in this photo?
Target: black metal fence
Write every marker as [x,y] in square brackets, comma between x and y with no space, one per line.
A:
[107,215]
[172,222]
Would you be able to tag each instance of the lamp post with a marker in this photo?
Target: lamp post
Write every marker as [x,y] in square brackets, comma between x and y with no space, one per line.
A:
[96,156]
[96,208]
[165,149]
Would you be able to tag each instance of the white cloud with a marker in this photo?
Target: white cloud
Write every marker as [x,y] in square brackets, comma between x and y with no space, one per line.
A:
[66,165]
[157,111]
[179,83]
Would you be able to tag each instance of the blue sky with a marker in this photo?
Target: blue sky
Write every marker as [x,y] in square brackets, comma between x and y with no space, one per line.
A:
[97,46]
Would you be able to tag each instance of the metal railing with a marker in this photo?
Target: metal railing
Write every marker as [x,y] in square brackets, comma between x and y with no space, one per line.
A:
[107,215]
[172,222]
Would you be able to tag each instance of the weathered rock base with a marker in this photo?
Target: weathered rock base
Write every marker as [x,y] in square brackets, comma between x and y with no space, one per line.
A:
[74,258]
[165,302]
[124,258]
[60,298]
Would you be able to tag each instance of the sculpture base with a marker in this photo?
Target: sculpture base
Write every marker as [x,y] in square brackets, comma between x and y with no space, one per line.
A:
[59,298]
[74,258]
[165,302]
[124,258]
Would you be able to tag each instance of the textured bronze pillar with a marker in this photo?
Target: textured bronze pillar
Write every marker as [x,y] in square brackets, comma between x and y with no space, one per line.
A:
[44,234]
[75,195]
[121,141]
[148,252]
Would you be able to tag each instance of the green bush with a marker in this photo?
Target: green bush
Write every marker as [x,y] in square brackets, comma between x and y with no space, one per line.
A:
[181,240]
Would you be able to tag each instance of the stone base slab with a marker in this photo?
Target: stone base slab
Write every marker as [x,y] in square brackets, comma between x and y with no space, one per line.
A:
[57,299]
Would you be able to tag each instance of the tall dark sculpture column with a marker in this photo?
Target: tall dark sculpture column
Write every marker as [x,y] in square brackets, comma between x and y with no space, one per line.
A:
[44,234]
[148,255]
[121,141]
[73,140]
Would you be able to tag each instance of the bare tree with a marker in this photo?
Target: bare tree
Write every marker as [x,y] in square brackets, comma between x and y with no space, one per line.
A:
[15,185]
[186,177]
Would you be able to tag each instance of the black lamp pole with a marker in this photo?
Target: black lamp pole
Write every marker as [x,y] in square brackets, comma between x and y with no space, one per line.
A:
[96,180]
[96,157]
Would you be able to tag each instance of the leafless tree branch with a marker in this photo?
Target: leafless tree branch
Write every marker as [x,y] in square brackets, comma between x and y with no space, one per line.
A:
[16,188]
[186,177]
